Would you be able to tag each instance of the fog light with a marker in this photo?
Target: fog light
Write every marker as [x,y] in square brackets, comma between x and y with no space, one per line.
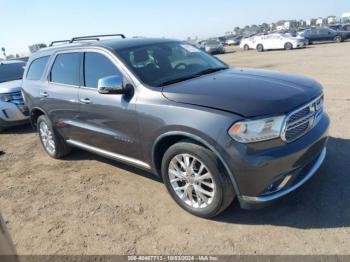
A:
[277,185]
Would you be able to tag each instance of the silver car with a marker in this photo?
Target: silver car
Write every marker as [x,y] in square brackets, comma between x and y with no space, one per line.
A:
[13,111]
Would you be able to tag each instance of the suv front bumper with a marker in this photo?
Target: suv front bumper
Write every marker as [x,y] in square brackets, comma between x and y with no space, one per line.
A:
[267,171]
[11,115]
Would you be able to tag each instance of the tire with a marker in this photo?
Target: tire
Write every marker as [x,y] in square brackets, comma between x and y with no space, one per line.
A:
[2,128]
[219,192]
[246,47]
[338,39]
[288,46]
[260,48]
[60,148]
[307,42]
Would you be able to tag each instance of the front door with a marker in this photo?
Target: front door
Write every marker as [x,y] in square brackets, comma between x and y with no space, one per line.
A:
[108,121]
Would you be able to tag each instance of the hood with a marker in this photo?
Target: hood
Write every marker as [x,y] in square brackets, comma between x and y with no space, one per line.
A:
[10,86]
[246,92]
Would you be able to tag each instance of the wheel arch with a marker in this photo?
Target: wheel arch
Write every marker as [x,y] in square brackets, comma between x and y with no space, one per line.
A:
[164,141]
[35,113]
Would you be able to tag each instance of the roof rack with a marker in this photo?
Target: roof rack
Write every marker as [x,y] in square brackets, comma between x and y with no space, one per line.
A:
[93,37]
[85,38]
[59,42]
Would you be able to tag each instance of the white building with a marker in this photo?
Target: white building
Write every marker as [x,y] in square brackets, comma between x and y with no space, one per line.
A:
[285,25]
[331,19]
[319,21]
[311,22]
[345,18]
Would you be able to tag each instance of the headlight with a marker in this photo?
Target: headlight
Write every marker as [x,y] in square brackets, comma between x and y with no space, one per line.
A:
[257,130]
[5,98]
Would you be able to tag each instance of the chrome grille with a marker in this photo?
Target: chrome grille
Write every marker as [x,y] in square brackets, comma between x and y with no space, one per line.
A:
[300,121]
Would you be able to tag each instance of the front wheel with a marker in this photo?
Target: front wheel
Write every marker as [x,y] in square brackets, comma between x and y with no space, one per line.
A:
[260,48]
[288,46]
[196,179]
[246,47]
[337,39]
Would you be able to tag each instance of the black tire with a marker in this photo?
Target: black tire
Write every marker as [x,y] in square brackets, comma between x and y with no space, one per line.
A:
[338,39]
[288,46]
[307,42]
[61,147]
[224,192]
[246,47]
[2,128]
[260,48]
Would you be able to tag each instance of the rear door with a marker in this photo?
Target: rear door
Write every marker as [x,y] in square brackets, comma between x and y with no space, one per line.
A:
[107,121]
[61,92]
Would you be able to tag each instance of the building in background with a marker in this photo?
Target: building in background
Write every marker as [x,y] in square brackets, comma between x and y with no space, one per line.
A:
[332,20]
[345,18]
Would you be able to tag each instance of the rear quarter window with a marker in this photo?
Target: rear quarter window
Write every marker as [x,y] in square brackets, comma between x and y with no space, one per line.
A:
[37,67]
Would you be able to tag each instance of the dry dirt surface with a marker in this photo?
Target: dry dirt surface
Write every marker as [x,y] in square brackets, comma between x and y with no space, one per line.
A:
[85,204]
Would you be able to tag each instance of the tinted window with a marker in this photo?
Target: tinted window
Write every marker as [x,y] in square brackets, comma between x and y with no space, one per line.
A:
[65,69]
[37,68]
[97,66]
[11,71]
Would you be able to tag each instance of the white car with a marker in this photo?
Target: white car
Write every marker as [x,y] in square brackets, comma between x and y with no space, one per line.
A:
[272,41]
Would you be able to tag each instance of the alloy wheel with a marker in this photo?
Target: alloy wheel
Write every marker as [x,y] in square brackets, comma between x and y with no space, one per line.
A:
[47,138]
[191,180]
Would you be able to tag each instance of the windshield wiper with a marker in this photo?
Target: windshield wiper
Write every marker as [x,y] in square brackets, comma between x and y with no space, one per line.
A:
[200,73]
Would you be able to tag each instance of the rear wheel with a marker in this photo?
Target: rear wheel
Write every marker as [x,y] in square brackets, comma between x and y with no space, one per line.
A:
[246,47]
[52,142]
[260,48]
[288,46]
[196,179]
[337,39]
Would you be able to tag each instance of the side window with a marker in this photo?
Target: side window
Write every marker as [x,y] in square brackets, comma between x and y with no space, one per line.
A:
[65,69]
[37,67]
[97,66]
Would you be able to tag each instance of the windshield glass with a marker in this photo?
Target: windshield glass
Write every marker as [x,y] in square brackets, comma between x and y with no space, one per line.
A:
[166,63]
[213,42]
[11,71]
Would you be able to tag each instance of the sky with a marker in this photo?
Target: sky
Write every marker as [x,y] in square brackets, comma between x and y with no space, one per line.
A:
[41,21]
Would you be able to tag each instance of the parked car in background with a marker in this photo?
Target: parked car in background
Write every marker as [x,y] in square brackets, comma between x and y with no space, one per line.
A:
[272,41]
[236,40]
[211,132]
[13,111]
[213,46]
[345,27]
[324,34]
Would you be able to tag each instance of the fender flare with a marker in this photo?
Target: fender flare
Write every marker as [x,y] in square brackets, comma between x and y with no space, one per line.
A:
[204,142]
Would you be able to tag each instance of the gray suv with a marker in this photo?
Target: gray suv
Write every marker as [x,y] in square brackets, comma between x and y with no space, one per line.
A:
[211,132]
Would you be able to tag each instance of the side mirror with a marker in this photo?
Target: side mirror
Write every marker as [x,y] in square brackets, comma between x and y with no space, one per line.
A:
[111,85]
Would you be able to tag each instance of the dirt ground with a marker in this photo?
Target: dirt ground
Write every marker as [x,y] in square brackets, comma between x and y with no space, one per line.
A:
[85,204]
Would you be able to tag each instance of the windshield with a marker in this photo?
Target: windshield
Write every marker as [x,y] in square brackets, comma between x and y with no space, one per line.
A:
[213,42]
[11,71]
[166,63]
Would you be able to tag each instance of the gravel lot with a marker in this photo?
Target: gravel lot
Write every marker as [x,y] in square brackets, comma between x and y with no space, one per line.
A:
[85,204]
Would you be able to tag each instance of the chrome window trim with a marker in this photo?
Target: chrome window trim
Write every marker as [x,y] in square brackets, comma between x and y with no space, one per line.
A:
[315,117]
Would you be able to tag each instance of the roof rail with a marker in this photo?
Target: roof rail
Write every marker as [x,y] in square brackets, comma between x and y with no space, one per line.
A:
[93,37]
[59,42]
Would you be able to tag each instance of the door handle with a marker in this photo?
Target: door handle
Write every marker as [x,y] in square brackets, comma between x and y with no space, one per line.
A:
[44,93]
[85,100]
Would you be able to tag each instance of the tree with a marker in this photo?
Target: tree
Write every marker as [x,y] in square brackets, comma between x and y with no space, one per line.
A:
[3,51]
[237,30]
